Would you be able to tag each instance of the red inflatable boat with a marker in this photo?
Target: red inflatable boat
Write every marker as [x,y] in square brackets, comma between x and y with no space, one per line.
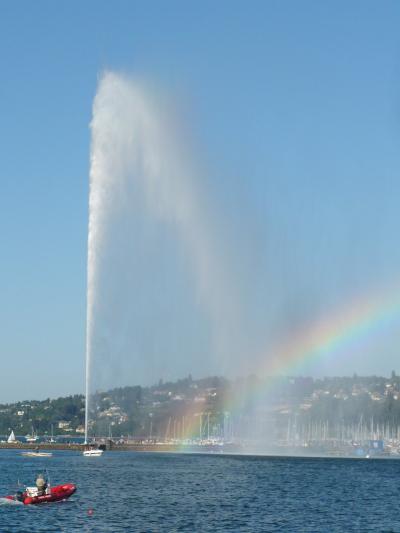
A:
[53,494]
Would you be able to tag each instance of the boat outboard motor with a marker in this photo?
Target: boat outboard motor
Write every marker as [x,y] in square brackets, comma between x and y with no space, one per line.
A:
[19,496]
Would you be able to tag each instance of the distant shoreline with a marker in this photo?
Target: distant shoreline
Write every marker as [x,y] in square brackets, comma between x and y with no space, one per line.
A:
[193,450]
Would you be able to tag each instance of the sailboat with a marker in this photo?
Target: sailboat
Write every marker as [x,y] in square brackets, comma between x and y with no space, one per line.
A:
[11,439]
[52,439]
[31,438]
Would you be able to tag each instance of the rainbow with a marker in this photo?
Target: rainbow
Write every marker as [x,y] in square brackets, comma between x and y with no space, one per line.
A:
[342,330]
[326,337]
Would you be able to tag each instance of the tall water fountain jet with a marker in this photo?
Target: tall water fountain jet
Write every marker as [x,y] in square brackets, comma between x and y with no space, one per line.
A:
[141,175]
[139,161]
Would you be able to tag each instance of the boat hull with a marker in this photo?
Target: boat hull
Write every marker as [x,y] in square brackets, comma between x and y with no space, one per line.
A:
[93,453]
[37,454]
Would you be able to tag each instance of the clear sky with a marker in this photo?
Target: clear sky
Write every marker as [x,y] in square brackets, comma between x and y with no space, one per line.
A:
[296,108]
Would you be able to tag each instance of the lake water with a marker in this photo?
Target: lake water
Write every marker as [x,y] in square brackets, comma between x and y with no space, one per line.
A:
[145,492]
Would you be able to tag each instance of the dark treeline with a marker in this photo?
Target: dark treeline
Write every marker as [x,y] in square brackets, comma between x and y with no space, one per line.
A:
[167,409]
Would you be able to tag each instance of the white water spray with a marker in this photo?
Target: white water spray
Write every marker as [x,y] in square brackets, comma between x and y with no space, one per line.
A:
[136,147]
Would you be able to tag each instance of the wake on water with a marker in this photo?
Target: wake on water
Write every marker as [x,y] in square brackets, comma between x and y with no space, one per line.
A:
[6,501]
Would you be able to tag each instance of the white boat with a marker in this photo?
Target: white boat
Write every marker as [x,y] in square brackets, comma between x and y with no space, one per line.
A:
[11,439]
[32,438]
[37,454]
[93,453]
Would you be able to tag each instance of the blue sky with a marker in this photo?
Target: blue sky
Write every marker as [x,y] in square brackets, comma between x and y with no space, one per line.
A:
[295,106]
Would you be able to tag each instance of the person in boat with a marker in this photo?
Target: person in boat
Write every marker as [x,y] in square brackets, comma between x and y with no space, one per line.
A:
[41,485]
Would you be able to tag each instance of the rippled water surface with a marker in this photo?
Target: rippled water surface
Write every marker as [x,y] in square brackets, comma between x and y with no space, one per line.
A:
[143,492]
